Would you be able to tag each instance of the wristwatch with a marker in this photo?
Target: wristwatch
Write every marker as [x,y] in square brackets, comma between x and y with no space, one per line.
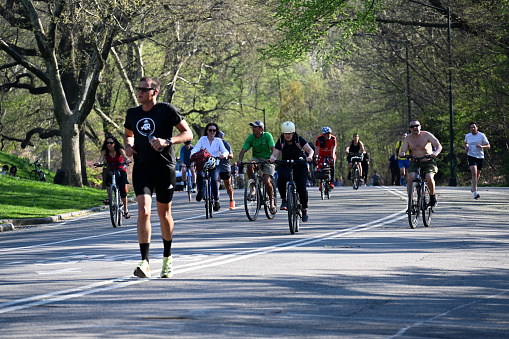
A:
[170,141]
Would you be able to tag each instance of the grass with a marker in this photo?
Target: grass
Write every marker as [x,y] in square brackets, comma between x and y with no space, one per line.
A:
[22,198]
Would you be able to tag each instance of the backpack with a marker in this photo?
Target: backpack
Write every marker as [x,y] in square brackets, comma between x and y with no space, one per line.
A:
[199,158]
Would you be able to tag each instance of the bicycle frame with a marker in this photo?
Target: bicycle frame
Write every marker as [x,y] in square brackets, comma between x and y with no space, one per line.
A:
[293,201]
[419,203]
[252,207]
[325,183]
[207,193]
[116,204]
[356,159]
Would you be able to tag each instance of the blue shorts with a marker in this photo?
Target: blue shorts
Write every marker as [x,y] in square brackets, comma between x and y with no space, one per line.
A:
[404,163]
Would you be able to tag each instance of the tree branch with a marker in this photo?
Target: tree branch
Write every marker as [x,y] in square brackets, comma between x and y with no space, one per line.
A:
[43,134]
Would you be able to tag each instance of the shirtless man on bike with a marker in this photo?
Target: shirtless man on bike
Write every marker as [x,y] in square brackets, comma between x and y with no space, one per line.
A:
[422,143]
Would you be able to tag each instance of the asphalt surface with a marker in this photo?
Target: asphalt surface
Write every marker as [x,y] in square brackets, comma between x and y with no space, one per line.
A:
[355,269]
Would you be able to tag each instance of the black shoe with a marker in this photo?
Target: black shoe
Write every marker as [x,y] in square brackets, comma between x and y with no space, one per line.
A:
[199,196]
[433,201]
[305,216]
[217,207]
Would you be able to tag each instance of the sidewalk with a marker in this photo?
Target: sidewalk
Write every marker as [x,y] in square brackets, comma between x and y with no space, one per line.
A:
[10,225]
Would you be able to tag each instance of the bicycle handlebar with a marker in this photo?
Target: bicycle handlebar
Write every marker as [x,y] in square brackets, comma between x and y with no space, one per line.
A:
[113,164]
[291,161]
[409,156]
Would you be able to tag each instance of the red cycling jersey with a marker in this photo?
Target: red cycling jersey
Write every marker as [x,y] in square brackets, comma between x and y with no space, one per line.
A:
[115,160]
[326,146]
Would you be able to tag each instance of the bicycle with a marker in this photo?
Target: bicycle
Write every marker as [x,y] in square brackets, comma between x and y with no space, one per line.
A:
[254,202]
[188,183]
[37,173]
[419,196]
[116,204]
[323,175]
[207,192]
[292,198]
[355,159]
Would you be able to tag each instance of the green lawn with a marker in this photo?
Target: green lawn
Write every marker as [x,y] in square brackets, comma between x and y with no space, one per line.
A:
[23,198]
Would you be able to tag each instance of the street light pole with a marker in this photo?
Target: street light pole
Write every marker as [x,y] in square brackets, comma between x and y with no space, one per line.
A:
[452,179]
[260,109]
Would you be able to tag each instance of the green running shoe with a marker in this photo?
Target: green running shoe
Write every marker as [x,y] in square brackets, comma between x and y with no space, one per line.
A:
[167,270]
[143,270]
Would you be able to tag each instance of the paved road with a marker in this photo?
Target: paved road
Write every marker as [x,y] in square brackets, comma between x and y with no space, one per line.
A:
[354,270]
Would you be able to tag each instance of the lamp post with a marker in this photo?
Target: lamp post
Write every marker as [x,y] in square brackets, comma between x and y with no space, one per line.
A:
[409,100]
[452,180]
[260,109]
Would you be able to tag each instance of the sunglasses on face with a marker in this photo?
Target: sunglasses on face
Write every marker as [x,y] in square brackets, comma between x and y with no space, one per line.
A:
[144,89]
[212,130]
[110,143]
[414,126]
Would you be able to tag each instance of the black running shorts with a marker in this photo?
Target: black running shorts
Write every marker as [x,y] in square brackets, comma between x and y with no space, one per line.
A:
[162,181]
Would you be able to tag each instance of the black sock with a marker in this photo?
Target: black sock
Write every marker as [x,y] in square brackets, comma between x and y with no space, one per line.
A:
[144,249]
[167,248]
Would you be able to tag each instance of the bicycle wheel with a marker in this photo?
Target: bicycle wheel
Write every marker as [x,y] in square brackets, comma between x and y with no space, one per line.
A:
[426,208]
[208,201]
[120,210]
[266,199]
[413,205]
[292,207]
[34,175]
[356,178]
[189,188]
[327,192]
[42,176]
[322,189]
[114,205]
[251,201]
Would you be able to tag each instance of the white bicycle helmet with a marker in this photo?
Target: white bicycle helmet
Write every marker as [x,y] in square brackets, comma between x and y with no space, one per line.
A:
[288,127]
[210,163]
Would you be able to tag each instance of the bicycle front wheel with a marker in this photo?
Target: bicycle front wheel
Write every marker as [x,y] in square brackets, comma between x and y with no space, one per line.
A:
[413,205]
[114,205]
[266,199]
[42,176]
[426,208]
[251,200]
[356,176]
[291,197]
[188,187]
[208,201]
[322,189]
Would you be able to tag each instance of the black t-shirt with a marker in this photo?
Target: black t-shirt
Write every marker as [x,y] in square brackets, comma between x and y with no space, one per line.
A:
[159,121]
[291,151]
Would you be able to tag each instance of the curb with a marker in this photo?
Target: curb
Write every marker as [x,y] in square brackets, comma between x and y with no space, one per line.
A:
[10,225]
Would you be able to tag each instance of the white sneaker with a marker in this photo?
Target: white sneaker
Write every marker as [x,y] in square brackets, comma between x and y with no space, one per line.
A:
[193,190]
[476,195]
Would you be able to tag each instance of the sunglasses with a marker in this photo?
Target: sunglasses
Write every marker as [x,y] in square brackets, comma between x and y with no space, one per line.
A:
[110,143]
[212,130]
[144,89]
[414,126]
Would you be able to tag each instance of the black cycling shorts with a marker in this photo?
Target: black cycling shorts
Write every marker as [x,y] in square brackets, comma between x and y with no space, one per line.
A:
[162,181]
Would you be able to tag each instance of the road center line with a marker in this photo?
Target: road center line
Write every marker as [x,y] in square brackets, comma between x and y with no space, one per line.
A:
[222,260]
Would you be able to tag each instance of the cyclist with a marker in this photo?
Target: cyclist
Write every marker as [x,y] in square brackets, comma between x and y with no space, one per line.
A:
[210,141]
[293,147]
[354,146]
[422,143]
[114,153]
[185,154]
[263,146]
[325,146]
[225,171]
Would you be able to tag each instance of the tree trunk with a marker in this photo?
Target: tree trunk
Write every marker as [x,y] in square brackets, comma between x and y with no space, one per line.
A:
[71,163]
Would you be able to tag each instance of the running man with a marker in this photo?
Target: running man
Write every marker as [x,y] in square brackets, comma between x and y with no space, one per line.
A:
[475,143]
[154,166]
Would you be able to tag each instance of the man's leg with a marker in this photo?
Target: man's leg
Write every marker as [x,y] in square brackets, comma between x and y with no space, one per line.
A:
[410,177]
[475,176]
[268,188]
[144,235]
[183,169]
[164,212]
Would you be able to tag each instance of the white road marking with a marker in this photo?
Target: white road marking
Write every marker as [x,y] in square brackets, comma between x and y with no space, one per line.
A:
[216,261]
